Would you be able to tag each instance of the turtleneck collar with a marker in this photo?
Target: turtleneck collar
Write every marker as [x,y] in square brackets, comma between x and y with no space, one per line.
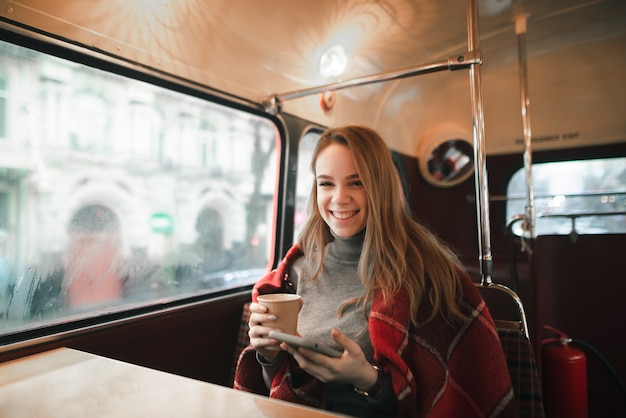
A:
[346,249]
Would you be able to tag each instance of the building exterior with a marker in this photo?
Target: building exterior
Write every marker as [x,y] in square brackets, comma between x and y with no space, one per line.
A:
[107,182]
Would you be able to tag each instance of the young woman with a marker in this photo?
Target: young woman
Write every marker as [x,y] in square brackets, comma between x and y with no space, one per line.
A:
[416,337]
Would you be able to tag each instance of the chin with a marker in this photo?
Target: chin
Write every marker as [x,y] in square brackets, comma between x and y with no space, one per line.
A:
[344,233]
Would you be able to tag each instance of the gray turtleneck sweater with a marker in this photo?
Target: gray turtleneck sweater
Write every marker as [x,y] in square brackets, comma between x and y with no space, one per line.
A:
[339,282]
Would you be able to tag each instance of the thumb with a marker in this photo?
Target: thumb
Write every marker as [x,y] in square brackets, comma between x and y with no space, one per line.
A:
[343,340]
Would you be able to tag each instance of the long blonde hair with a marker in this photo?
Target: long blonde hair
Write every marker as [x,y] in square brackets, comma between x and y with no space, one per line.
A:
[398,252]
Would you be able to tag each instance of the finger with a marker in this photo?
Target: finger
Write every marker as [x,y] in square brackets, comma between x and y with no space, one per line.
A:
[343,340]
[312,359]
[330,363]
[261,331]
[257,307]
[259,339]
[263,342]
[300,356]
[261,318]
[313,363]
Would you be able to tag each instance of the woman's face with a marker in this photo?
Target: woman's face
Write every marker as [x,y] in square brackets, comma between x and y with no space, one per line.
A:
[341,198]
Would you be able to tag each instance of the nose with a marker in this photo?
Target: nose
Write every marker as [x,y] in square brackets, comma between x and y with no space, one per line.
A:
[341,195]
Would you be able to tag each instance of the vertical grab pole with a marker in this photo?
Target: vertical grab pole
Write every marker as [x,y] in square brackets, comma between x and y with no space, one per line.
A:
[520,32]
[480,163]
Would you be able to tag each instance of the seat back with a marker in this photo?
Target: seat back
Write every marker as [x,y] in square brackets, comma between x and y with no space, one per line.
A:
[507,311]
[505,306]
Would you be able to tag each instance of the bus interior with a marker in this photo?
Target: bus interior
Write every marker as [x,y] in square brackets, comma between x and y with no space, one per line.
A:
[154,163]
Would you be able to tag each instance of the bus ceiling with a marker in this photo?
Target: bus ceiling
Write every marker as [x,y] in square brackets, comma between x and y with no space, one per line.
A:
[256,51]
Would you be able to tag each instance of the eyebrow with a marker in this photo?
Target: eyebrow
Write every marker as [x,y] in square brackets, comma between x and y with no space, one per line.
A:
[350,177]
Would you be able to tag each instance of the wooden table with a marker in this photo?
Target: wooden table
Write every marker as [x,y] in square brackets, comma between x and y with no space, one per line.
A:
[66,383]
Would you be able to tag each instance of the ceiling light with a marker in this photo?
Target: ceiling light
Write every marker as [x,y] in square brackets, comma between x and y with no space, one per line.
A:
[333,62]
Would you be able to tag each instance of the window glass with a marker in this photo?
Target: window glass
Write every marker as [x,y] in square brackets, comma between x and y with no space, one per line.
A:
[585,197]
[90,126]
[3,105]
[305,179]
[122,194]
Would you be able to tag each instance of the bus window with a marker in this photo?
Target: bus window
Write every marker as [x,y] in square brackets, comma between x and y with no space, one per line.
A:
[117,193]
[3,106]
[585,197]
[305,179]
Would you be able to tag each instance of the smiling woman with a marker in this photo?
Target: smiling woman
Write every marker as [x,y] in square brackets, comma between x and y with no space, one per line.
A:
[379,287]
[155,163]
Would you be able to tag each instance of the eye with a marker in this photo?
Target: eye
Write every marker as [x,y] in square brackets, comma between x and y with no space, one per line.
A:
[324,184]
[356,183]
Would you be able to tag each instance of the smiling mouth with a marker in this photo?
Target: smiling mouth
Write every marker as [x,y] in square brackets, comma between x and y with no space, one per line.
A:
[344,215]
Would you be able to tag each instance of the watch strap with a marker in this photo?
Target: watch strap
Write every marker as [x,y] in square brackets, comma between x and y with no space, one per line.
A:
[371,392]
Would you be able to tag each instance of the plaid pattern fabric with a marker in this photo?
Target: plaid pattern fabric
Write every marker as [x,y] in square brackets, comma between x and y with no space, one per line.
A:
[523,370]
[437,371]
[243,340]
[440,370]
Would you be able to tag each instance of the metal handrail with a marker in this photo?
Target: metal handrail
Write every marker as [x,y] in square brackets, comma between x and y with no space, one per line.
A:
[574,215]
[520,31]
[514,296]
[512,259]
[480,158]
[273,102]
[500,198]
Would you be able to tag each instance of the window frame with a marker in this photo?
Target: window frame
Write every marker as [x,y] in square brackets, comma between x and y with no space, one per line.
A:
[60,49]
[567,219]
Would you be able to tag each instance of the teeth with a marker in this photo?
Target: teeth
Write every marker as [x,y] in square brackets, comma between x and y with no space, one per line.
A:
[343,215]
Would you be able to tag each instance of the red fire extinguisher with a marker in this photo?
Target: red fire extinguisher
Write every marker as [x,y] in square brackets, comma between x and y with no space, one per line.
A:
[564,377]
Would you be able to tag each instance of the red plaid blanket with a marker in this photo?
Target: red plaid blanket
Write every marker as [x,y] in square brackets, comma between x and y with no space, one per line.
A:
[437,370]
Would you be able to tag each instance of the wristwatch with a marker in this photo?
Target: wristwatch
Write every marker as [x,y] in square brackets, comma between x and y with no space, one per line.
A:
[377,385]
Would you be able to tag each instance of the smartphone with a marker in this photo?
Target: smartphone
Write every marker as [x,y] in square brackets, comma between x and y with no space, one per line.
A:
[303,342]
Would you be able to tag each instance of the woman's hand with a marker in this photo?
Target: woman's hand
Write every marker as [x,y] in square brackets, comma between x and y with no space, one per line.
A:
[352,367]
[258,333]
